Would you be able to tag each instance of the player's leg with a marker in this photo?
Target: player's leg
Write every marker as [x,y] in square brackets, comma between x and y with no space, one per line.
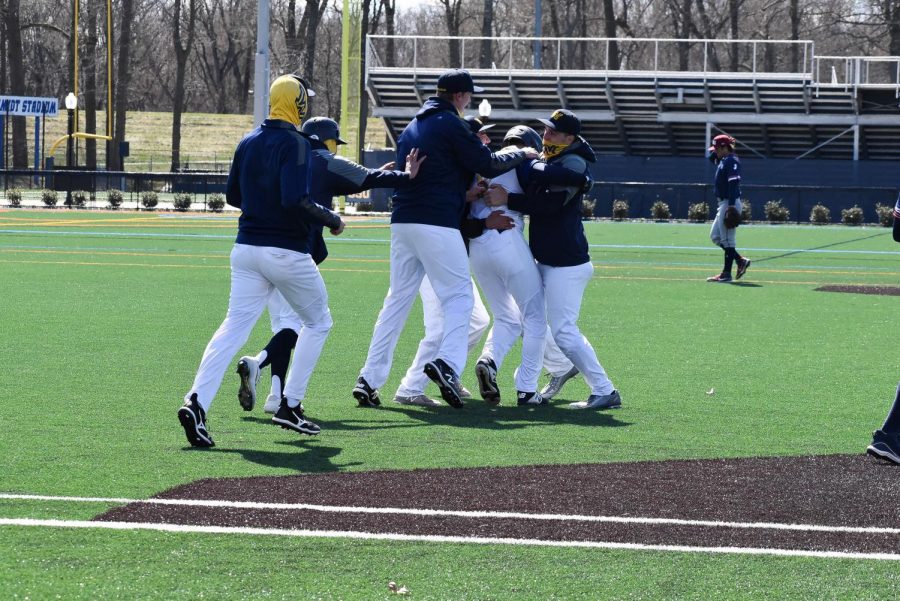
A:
[412,386]
[886,441]
[406,277]
[556,363]
[564,288]
[743,263]
[298,279]
[718,233]
[249,291]
[444,258]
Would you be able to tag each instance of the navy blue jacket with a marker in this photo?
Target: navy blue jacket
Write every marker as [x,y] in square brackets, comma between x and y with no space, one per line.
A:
[555,231]
[897,221]
[270,182]
[335,176]
[454,155]
[728,178]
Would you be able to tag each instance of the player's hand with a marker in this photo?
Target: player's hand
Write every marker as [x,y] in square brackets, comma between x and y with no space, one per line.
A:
[498,220]
[531,153]
[496,196]
[389,166]
[337,231]
[477,190]
[413,162]
[588,183]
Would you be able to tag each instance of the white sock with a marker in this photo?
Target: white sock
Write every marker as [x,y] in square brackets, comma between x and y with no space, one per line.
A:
[276,387]
[261,356]
[293,403]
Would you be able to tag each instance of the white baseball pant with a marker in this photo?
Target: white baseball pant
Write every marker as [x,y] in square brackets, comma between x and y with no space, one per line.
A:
[255,272]
[718,233]
[415,380]
[564,288]
[416,250]
[506,271]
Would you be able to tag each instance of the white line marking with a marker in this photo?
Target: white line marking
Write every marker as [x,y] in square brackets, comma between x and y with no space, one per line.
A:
[443,539]
[467,514]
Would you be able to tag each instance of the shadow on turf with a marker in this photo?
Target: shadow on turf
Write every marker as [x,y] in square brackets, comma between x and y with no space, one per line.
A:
[797,252]
[302,457]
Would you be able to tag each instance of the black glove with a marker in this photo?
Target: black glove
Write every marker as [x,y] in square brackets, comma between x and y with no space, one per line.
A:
[588,183]
[732,217]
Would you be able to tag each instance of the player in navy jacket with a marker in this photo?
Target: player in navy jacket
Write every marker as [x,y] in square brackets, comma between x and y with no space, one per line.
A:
[332,175]
[886,441]
[728,194]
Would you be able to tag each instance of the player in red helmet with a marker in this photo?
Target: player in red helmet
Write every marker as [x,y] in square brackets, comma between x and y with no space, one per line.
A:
[728,214]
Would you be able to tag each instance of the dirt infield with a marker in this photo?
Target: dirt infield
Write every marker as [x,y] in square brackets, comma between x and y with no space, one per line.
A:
[837,491]
[879,290]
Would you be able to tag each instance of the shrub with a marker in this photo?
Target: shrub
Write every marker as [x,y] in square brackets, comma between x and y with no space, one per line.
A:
[587,208]
[114,198]
[79,198]
[775,211]
[885,214]
[620,209]
[364,206]
[820,214]
[746,211]
[698,212]
[14,196]
[149,199]
[182,201]
[852,216]
[48,197]
[216,203]
[660,211]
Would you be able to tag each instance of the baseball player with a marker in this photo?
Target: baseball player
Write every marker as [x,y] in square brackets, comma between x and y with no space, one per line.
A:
[506,271]
[886,441]
[332,175]
[425,235]
[270,182]
[728,214]
[558,243]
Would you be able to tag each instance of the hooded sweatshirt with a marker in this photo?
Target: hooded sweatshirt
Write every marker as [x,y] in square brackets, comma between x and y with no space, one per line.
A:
[453,156]
[555,231]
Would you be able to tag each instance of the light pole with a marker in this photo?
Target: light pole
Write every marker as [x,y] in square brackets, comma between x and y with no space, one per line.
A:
[71,105]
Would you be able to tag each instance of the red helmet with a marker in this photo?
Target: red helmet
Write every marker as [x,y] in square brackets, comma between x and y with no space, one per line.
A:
[723,140]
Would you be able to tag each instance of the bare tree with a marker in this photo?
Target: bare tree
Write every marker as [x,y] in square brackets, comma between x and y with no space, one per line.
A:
[123,83]
[487,24]
[182,44]
[453,21]
[13,35]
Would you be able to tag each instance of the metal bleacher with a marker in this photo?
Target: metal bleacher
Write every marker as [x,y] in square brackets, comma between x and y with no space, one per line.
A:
[667,98]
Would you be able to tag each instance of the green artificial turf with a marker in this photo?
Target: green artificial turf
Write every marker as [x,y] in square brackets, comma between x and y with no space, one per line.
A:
[106,316]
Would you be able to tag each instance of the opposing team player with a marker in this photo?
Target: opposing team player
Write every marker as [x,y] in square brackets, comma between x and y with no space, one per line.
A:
[269,180]
[558,243]
[425,235]
[332,175]
[728,213]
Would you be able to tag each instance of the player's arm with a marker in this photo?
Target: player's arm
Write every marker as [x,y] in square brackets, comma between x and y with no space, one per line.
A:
[233,186]
[294,181]
[733,172]
[557,174]
[478,158]
[897,221]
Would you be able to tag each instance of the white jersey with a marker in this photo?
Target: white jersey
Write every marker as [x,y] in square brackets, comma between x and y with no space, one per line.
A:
[510,182]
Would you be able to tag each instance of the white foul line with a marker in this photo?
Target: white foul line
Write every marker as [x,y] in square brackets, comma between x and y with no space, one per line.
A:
[443,539]
[466,514]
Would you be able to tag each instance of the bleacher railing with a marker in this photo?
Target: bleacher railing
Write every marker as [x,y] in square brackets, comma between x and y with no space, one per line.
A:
[852,73]
[657,56]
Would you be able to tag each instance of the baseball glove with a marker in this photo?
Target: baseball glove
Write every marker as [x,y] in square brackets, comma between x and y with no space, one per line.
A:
[732,217]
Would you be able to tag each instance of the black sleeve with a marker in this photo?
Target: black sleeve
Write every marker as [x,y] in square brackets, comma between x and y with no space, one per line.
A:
[472,228]
[896,228]
[538,201]
[346,177]
[555,174]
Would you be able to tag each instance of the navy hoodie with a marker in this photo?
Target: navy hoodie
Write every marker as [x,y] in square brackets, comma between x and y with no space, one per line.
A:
[454,154]
[269,182]
[555,231]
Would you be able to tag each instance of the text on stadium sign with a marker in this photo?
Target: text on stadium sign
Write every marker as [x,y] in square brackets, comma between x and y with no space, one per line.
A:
[29,106]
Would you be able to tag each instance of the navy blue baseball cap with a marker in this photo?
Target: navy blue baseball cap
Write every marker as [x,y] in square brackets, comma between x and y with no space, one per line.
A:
[477,126]
[564,121]
[457,80]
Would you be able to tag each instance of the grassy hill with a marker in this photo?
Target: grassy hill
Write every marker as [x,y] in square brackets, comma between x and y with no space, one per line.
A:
[207,140]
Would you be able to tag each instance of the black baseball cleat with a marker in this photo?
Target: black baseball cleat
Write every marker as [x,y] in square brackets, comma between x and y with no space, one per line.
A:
[292,418]
[743,266]
[885,445]
[447,380]
[193,420]
[365,395]
[613,400]
[248,370]
[530,398]
[486,372]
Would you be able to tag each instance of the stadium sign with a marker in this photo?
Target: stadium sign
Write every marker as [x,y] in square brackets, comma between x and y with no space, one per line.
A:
[29,106]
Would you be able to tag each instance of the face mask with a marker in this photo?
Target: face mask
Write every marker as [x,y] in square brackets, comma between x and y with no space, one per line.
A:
[288,100]
[552,150]
[331,145]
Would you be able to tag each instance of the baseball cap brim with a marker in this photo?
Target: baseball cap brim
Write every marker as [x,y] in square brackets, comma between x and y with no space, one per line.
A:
[548,123]
[477,89]
[486,127]
[340,140]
